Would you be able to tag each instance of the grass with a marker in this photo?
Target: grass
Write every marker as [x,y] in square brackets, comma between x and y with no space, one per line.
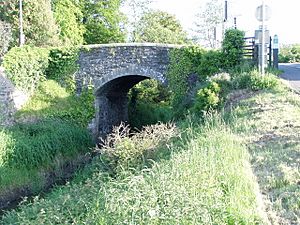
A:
[270,123]
[51,100]
[202,177]
[236,167]
[47,134]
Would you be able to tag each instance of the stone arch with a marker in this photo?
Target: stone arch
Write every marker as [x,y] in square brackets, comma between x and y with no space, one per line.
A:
[111,96]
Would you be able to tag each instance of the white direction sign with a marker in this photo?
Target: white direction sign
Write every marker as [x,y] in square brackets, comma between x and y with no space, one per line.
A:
[259,13]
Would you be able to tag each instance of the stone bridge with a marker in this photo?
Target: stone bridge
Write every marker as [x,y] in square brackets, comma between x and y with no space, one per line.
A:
[112,69]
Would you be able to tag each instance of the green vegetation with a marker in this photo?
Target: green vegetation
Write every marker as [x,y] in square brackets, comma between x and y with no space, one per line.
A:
[159,27]
[269,123]
[27,149]
[51,129]
[232,47]
[67,14]
[203,177]
[25,66]
[197,172]
[51,100]
[40,28]
[289,54]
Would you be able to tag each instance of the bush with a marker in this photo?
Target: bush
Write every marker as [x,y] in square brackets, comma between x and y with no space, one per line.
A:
[232,48]
[255,81]
[189,66]
[207,98]
[63,65]
[211,63]
[126,150]
[25,66]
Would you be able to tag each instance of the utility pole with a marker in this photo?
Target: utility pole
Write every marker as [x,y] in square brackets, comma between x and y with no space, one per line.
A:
[22,37]
[263,40]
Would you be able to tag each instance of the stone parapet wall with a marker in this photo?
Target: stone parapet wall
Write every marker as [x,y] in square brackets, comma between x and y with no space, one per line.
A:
[11,100]
[7,108]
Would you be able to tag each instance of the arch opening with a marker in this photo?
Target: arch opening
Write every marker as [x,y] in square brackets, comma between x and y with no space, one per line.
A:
[112,103]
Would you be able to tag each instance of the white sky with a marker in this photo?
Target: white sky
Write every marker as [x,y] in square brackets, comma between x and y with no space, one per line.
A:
[285,17]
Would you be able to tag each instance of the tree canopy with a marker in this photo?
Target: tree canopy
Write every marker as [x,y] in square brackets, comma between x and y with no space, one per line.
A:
[161,27]
[40,28]
[102,21]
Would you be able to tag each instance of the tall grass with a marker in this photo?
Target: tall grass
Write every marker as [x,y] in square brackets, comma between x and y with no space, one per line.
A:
[27,148]
[201,177]
[50,129]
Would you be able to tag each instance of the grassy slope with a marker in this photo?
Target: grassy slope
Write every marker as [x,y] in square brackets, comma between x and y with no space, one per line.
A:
[48,133]
[204,177]
[270,123]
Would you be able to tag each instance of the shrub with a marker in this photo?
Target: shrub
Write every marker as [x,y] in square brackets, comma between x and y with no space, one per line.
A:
[126,150]
[207,97]
[255,81]
[211,63]
[63,65]
[232,48]
[25,66]
[189,66]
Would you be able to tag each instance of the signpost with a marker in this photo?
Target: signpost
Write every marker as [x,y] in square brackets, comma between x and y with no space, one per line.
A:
[275,51]
[263,14]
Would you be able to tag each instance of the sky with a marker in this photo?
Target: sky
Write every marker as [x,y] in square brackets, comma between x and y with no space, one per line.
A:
[284,21]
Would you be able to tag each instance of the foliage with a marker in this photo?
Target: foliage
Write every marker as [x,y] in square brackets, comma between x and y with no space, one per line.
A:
[211,63]
[149,103]
[135,9]
[159,27]
[125,150]
[150,91]
[207,98]
[212,94]
[102,21]
[39,24]
[51,100]
[255,81]
[232,47]
[208,20]
[63,65]
[5,37]
[188,67]
[289,54]
[68,14]
[25,66]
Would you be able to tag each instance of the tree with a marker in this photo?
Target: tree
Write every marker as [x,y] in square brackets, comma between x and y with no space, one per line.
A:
[68,16]
[40,28]
[208,20]
[160,27]
[5,37]
[232,47]
[134,12]
[102,20]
